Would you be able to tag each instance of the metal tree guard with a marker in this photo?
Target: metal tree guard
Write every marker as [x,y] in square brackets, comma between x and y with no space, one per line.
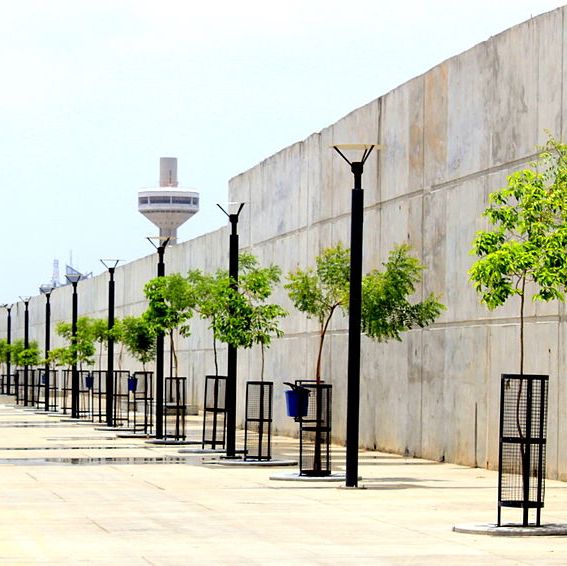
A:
[354,323]
[315,430]
[140,394]
[214,412]
[522,450]
[258,421]
[175,408]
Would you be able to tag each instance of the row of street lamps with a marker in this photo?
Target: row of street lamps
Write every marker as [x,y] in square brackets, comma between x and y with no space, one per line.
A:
[353,375]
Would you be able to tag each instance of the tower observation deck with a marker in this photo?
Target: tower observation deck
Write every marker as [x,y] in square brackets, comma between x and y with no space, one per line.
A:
[168,206]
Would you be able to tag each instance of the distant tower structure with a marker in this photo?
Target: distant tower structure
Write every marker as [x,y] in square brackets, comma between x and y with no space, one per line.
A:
[55,277]
[168,206]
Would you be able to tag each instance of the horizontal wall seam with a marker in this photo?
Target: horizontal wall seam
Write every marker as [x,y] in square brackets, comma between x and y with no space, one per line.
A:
[483,173]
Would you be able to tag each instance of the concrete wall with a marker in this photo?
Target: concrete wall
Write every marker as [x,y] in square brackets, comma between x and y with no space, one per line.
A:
[450,137]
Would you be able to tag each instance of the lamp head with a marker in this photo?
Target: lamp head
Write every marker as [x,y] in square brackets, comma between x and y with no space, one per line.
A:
[46,289]
[363,149]
[110,263]
[158,241]
[73,278]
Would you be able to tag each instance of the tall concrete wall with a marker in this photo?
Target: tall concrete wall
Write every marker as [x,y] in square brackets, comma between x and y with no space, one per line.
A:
[449,138]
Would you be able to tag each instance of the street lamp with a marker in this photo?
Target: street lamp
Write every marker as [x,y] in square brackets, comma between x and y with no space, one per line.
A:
[353,375]
[232,351]
[110,264]
[26,301]
[159,342]
[74,278]
[8,342]
[46,290]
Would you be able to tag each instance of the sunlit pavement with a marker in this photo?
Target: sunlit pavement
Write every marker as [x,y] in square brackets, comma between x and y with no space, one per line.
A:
[70,494]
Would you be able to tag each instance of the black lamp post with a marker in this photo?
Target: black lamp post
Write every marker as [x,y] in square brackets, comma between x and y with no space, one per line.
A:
[9,342]
[46,290]
[110,264]
[159,346]
[74,280]
[354,322]
[26,301]
[232,351]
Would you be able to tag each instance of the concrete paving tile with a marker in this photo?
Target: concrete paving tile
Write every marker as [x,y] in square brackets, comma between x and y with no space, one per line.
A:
[179,513]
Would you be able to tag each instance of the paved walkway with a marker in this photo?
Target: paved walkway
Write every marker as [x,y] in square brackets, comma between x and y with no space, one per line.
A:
[70,494]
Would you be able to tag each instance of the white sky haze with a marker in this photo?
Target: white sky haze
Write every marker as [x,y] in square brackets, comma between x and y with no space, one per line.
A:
[95,92]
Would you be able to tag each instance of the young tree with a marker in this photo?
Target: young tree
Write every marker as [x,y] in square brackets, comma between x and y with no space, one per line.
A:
[248,319]
[81,349]
[3,353]
[320,292]
[60,357]
[239,316]
[15,349]
[99,329]
[139,338]
[385,308]
[209,299]
[170,306]
[525,251]
[30,356]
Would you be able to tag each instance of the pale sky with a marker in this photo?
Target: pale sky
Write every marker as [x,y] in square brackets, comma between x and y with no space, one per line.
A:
[94,92]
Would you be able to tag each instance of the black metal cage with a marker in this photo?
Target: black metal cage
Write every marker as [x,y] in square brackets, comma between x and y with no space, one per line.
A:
[258,421]
[523,430]
[140,402]
[42,384]
[214,412]
[315,431]
[99,395]
[120,397]
[6,384]
[175,408]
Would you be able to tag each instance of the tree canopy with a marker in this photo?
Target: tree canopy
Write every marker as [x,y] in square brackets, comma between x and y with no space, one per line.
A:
[237,311]
[386,309]
[139,338]
[321,291]
[525,249]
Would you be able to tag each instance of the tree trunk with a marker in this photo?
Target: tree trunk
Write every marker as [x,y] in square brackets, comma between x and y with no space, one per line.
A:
[262,370]
[522,304]
[322,333]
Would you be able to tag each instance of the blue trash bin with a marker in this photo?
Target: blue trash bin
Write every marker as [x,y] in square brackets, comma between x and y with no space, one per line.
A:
[297,402]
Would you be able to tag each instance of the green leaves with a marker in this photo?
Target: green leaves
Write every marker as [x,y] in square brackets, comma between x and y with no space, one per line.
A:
[243,318]
[386,310]
[139,338]
[29,356]
[170,303]
[21,356]
[318,293]
[81,349]
[237,311]
[528,241]
[4,349]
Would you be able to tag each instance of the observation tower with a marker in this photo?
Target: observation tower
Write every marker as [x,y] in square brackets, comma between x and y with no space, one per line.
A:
[168,206]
